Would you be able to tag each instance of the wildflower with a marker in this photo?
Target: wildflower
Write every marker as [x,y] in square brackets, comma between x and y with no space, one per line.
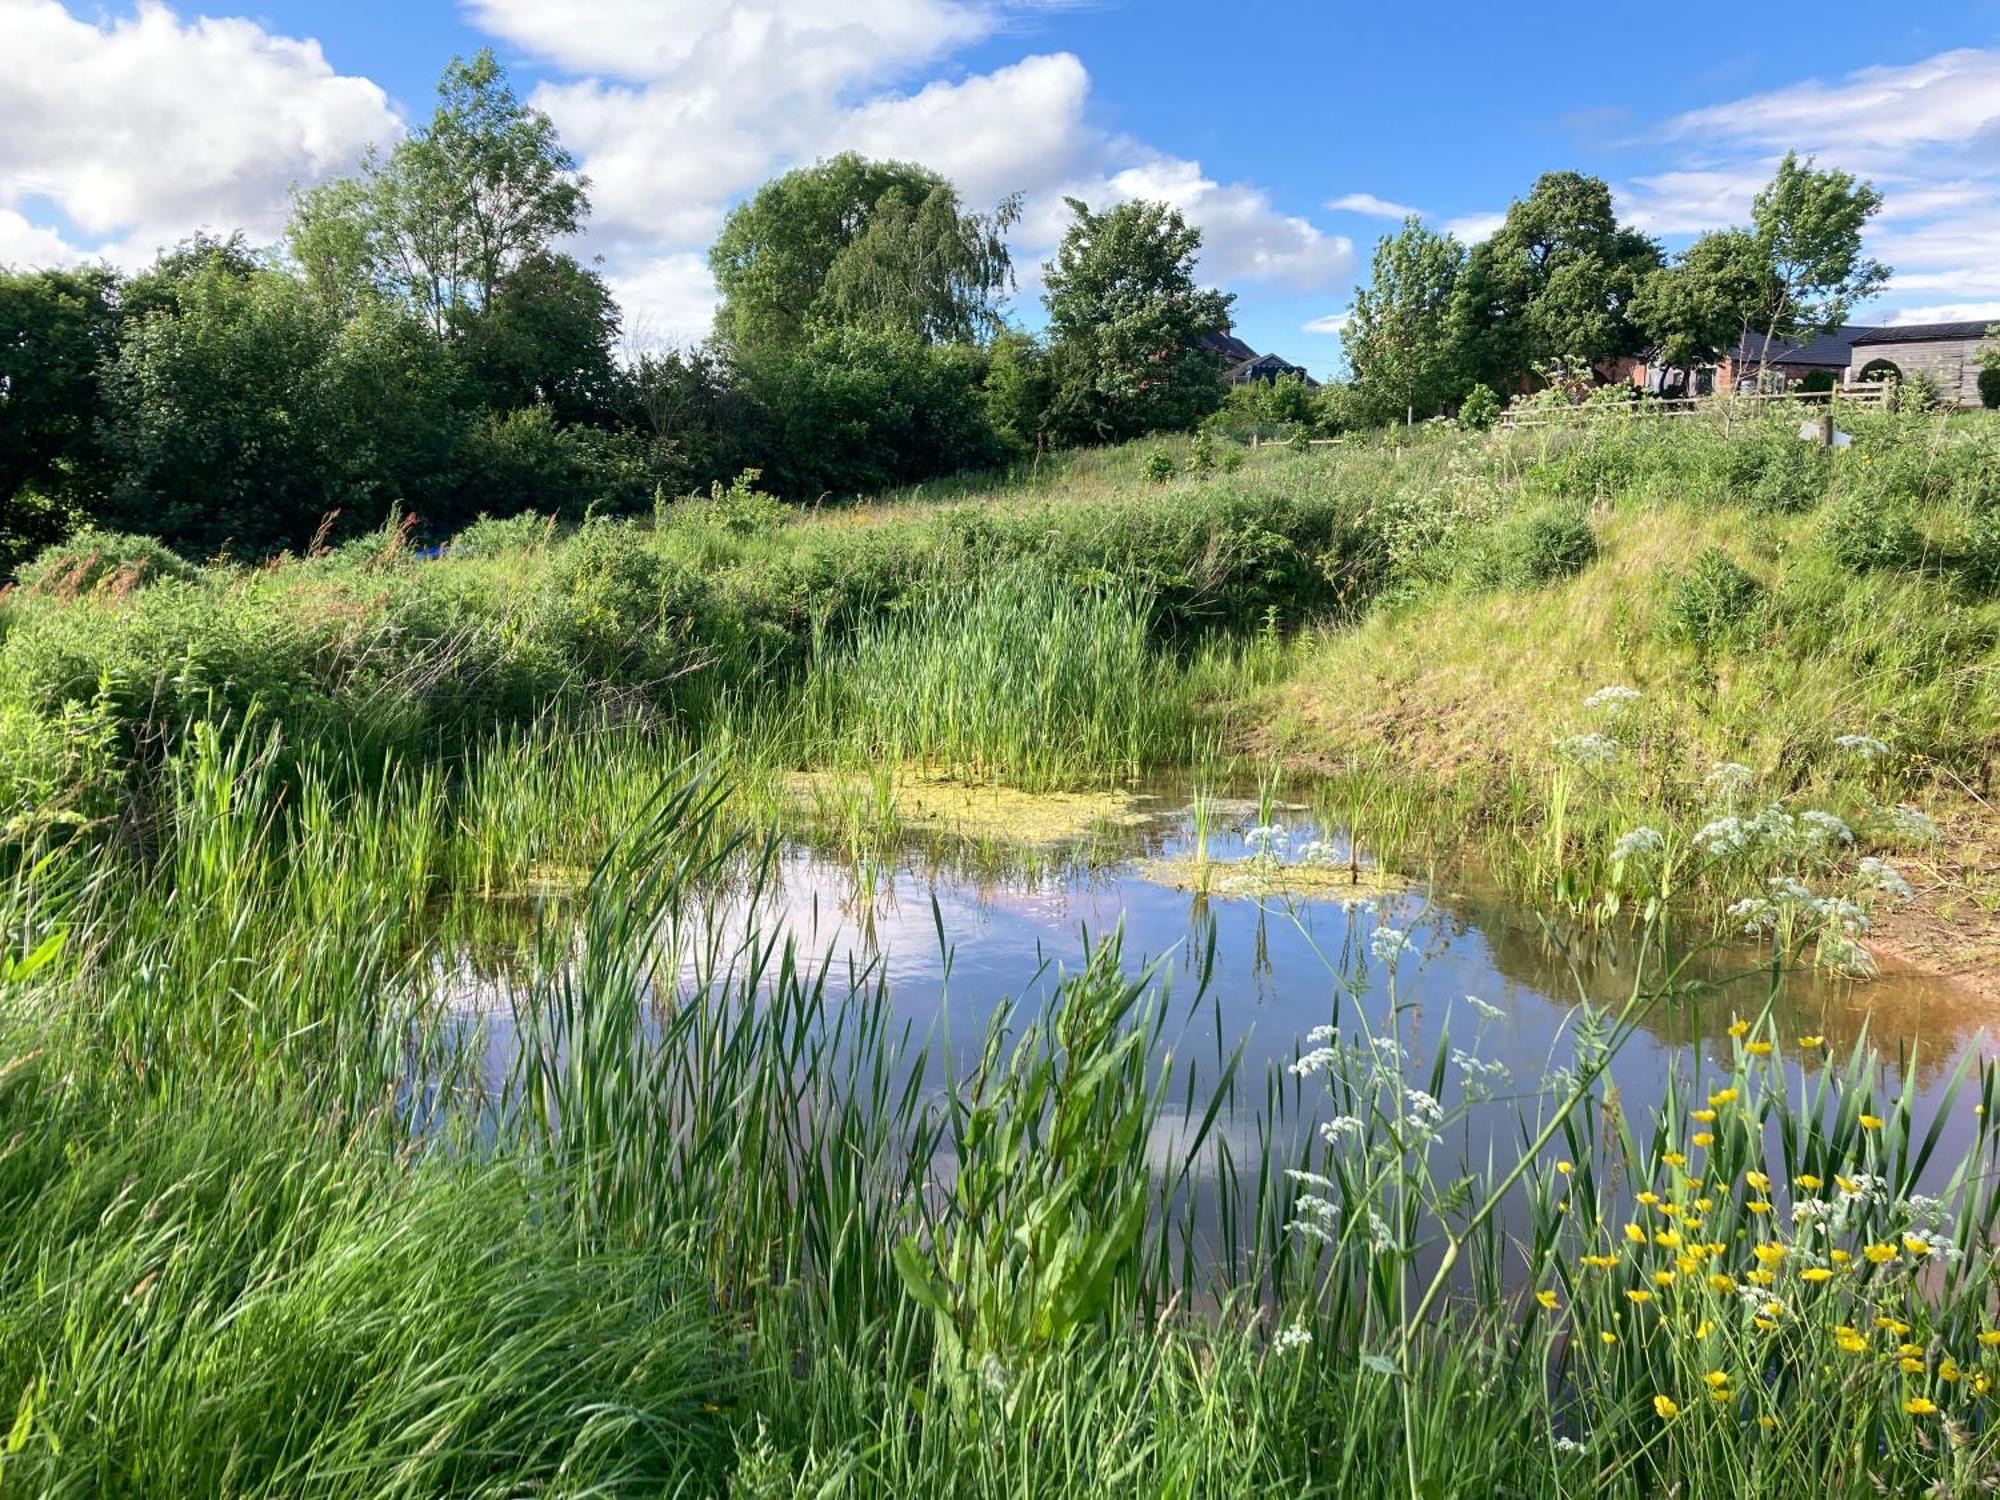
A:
[1340,1127]
[1758,1181]
[1635,1234]
[1294,1338]
[1717,1379]
[1757,1206]
[1948,1370]
[1638,1294]
[1849,1341]
[1663,1278]
[1769,1254]
[1990,1337]
[1704,1138]
[1489,1012]
[1739,1027]
[1315,1061]
[1912,824]
[1388,944]
[1665,1406]
[1863,745]
[1703,1329]
[1840,1257]
[1565,1168]
[1640,843]
[1879,1255]
[1587,749]
[1722,1281]
[1885,878]
[1667,1239]
[1729,779]
[1762,1325]
[1981,1384]
[1703,1205]
[1568,1445]
[1547,1299]
[1916,1245]
[1824,827]
[1613,697]
[1649,1198]
[1721,1097]
[1891,1325]
[1757,1049]
[1909,1351]
[1871,1122]
[1706,1116]
[1809,1182]
[1815,1274]
[1605,1335]
[1810,1043]
[1598,1262]
[1910,1365]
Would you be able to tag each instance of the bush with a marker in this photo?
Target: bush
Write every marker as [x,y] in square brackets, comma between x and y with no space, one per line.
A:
[1978,560]
[1867,530]
[1543,545]
[1159,466]
[112,561]
[1791,475]
[1201,454]
[1989,387]
[1711,605]
[489,536]
[1818,380]
[1480,409]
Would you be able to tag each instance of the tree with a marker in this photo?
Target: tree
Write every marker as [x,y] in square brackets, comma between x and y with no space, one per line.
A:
[57,328]
[1706,302]
[1399,336]
[1554,282]
[1989,369]
[854,243]
[1127,321]
[1808,224]
[546,338]
[1020,389]
[454,208]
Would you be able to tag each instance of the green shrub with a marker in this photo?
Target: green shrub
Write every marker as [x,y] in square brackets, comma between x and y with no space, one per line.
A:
[490,536]
[1201,454]
[1711,605]
[1543,545]
[1480,409]
[1989,387]
[1978,559]
[1791,477]
[1818,380]
[1868,530]
[109,560]
[1159,466]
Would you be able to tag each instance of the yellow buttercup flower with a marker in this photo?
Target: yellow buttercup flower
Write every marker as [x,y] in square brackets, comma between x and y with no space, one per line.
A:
[1768,1254]
[1703,1138]
[1911,1365]
[1703,1329]
[1871,1122]
[1884,1321]
[1916,1246]
[1607,1336]
[1703,1205]
[1758,1181]
[1674,1159]
[1762,1325]
[1599,1262]
[1721,1097]
[1815,1274]
[1667,1239]
[1665,1406]
[1909,1351]
[1649,1198]
[1879,1255]
[1840,1257]
[1565,1168]
[1810,1042]
[1948,1369]
[1981,1384]
[1663,1278]
[1849,1341]
[1739,1028]
[1990,1337]
[1757,1049]
[1635,1234]
[1547,1299]
[1757,1206]
[1760,1277]
[1722,1282]
[1706,1116]
[1919,1406]
[1809,1182]
[1767,1421]
[1639,1294]
[1717,1378]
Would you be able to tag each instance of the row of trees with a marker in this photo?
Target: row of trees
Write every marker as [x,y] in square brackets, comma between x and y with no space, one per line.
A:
[1562,282]
[421,342]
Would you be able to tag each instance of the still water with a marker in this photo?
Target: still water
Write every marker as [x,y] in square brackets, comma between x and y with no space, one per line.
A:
[1280,942]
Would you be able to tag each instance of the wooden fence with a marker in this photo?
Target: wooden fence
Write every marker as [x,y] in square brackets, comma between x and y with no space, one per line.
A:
[1694,406]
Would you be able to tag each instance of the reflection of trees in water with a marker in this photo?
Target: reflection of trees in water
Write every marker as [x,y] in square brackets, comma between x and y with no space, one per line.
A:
[1929,1018]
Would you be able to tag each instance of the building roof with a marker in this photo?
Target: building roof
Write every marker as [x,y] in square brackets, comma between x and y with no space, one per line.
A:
[1226,344]
[1830,349]
[1927,333]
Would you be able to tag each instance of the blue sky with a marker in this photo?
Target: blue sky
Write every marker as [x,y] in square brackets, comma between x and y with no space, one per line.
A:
[1293,134]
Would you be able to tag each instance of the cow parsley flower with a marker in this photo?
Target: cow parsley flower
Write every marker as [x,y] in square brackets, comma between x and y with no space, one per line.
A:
[1824,827]
[1885,878]
[1613,699]
[1912,824]
[1292,1340]
[1641,843]
[1864,745]
[1729,779]
[1587,749]
[1388,944]
[1489,1011]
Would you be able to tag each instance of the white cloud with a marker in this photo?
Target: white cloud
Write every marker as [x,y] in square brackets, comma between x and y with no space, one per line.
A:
[1471,228]
[1244,237]
[1332,323]
[1372,206]
[668,300]
[143,129]
[1926,133]
[1948,312]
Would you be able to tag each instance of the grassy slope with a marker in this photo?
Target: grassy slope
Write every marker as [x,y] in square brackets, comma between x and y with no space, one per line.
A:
[1460,693]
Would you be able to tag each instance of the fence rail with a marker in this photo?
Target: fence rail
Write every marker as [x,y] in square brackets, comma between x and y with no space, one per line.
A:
[1695,406]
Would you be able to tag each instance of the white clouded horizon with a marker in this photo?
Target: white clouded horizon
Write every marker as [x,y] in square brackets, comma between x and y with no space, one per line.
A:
[126,134]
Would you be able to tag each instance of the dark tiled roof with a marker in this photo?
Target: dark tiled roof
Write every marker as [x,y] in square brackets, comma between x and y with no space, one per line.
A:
[1926,333]
[1228,346]
[1830,348]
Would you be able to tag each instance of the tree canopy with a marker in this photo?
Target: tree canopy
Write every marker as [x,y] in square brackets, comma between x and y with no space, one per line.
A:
[1126,323]
[854,243]
[1399,336]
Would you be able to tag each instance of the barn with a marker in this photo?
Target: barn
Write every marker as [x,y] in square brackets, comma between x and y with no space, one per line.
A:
[1946,352]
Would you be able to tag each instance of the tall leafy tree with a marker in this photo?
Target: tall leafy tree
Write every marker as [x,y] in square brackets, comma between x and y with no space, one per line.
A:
[854,243]
[1707,302]
[1400,336]
[57,329]
[452,210]
[1126,323]
[1808,223]
[1555,281]
[547,337]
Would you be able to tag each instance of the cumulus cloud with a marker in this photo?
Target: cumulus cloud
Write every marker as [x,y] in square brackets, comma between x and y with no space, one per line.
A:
[1335,323]
[1372,206]
[1926,133]
[142,129]
[1472,228]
